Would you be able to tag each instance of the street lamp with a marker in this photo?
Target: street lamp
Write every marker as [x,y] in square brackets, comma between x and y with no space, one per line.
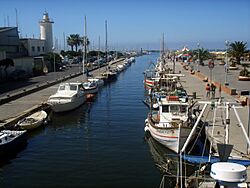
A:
[198,45]
[53,49]
[226,65]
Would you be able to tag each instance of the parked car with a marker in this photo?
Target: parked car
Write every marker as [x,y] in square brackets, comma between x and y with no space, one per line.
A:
[17,75]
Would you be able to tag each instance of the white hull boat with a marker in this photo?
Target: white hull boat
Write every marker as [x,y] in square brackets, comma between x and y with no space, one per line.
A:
[171,137]
[169,123]
[98,81]
[33,121]
[10,140]
[90,87]
[68,97]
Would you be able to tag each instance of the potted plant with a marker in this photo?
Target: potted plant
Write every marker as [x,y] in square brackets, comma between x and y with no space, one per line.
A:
[237,50]
[222,62]
[244,74]
[233,66]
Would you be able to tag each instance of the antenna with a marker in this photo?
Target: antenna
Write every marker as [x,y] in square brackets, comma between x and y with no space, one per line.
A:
[4,21]
[8,21]
[16,18]
[63,41]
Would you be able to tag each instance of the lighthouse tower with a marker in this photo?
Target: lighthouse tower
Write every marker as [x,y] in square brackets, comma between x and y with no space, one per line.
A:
[46,32]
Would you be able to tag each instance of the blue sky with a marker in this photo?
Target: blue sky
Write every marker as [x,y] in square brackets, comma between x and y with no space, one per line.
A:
[137,23]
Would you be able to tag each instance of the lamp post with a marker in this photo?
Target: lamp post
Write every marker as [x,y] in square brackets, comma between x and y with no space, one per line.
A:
[226,65]
[53,49]
[198,45]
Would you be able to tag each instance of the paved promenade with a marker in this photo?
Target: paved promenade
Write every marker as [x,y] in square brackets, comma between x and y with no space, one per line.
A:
[192,83]
[219,75]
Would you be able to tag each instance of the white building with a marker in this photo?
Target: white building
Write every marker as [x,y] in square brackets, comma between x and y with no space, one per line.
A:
[46,32]
[35,47]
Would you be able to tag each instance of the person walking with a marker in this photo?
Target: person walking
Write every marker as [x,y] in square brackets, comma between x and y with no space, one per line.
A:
[213,88]
[207,90]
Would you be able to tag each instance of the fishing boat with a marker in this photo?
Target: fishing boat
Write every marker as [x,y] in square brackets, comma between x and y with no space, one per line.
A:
[169,123]
[68,97]
[10,140]
[32,121]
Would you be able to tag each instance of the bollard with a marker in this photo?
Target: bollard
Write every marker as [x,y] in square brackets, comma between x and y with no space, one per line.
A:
[233,91]
[194,95]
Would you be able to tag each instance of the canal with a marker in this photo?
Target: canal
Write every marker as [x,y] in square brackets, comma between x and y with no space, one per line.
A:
[100,144]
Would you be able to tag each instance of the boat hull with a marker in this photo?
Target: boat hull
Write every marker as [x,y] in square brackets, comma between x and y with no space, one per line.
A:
[149,83]
[62,106]
[91,90]
[171,137]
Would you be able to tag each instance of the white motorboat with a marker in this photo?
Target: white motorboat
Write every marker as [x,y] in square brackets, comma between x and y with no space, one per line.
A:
[10,140]
[68,97]
[98,81]
[90,87]
[33,121]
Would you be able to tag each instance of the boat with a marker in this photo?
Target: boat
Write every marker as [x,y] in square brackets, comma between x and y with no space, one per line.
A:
[109,76]
[68,97]
[32,121]
[10,140]
[90,87]
[169,124]
[224,166]
[98,81]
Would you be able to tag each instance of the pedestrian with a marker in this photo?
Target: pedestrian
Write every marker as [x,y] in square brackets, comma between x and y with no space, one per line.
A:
[213,88]
[207,90]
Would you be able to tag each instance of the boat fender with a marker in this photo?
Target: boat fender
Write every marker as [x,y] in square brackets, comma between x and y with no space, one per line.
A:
[146,129]
[146,120]
[158,117]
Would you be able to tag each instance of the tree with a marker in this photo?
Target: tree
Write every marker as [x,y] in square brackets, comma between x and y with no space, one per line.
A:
[237,50]
[83,40]
[70,41]
[245,72]
[74,40]
[201,54]
[6,63]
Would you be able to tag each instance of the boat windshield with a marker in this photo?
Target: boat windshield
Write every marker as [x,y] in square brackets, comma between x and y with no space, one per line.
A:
[61,88]
[174,108]
[73,87]
[165,108]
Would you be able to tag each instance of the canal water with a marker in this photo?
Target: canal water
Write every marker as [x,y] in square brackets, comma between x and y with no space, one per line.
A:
[100,144]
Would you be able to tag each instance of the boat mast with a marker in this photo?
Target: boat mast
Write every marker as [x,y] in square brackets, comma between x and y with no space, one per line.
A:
[162,46]
[84,59]
[106,43]
[98,56]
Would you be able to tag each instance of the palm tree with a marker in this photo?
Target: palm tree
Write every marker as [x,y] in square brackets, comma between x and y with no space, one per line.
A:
[201,54]
[74,40]
[71,42]
[77,39]
[237,50]
[83,40]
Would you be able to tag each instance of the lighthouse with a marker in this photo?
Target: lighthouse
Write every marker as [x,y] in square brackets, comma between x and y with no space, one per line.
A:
[46,32]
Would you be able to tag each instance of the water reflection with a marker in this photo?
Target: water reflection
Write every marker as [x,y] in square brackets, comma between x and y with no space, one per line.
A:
[168,163]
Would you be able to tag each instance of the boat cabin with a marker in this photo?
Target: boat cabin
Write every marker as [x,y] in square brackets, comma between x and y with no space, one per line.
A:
[5,138]
[65,87]
[172,110]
